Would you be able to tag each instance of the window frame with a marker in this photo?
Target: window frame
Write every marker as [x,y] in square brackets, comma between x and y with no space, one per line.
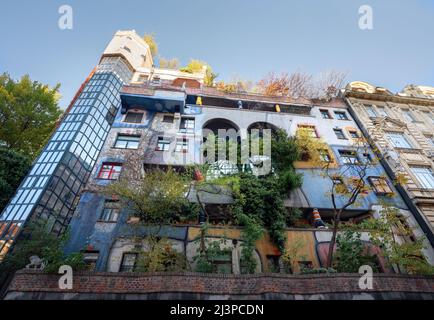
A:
[370,110]
[129,268]
[380,185]
[187,129]
[311,127]
[168,116]
[111,205]
[351,132]
[112,173]
[408,115]
[335,130]
[338,115]
[424,182]
[181,145]
[345,154]
[325,111]
[382,111]
[136,113]
[392,137]
[166,141]
[123,135]
[324,153]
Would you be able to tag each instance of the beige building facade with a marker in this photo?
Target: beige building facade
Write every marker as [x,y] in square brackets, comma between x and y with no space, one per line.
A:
[401,126]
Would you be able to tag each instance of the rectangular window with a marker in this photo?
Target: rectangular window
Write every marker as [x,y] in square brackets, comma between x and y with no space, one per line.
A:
[401,228]
[339,133]
[223,263]
[348,156]
[398,140]
[134,117]
[425,176]
[429,115]
[110,212]
[408,115]
[325,114]
[310,128]
[110,171]
[371,111]
[127,141]
[168,119]
[181,145]
[382,111]
[187,125]
[354,134]
[128,262]
[325,156]
[341,115]
[430,140]
[163,144]
[380,185]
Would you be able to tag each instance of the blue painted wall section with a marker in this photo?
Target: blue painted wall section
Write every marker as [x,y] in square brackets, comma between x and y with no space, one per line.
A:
[86,229]
[316,187]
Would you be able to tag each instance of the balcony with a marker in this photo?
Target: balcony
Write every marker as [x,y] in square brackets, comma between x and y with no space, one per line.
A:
[163,97]
[152,99]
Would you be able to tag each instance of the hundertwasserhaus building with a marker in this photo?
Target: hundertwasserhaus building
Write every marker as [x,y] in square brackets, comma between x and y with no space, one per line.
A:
[127,106]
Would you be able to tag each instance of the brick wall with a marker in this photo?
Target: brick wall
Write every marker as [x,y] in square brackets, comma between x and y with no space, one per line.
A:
[35,285]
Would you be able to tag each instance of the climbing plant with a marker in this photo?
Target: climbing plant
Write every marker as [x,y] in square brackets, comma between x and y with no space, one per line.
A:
[159,256]
[209,252]
[157,198]
[352,253]
[391,232]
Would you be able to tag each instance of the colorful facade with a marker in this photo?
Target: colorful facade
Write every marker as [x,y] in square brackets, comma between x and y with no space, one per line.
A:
[128,108]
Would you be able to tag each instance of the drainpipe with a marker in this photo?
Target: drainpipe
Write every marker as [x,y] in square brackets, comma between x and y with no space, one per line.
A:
[426,228]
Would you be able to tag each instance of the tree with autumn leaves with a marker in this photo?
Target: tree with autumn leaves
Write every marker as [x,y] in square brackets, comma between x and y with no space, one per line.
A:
[348,185]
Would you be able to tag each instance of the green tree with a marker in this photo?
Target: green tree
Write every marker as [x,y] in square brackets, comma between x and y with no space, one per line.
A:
[13,167]
[153,45]
[35,240]
[158,198]
[28,114]
[195,66]
[169,63]
[352,253]
[391,233]
[159,257]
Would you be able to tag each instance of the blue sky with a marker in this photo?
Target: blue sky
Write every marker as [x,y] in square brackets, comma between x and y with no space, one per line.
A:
[245,38]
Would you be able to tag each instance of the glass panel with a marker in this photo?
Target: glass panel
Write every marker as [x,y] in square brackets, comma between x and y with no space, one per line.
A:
[339,133]
[371,111]
[128,262]
[398,140]
[425,176]
[341,115]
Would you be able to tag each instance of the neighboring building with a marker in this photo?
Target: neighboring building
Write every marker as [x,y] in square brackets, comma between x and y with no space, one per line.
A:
[402,128]
[130,109]
[170,128]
